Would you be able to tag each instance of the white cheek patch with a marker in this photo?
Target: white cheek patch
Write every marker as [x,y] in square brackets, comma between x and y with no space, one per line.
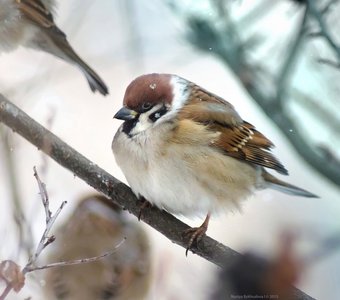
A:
[180,92]
[143,124]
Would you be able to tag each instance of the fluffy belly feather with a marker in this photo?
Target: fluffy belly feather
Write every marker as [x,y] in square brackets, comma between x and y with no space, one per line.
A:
[182,179]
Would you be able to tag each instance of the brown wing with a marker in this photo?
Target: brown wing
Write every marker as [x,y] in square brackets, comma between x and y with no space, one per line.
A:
[237,138]
[36,11]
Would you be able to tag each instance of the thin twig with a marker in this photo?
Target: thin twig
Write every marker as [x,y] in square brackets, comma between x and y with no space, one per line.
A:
[43,195]
[327,8]
[45,239]
[76,261]
[329,62]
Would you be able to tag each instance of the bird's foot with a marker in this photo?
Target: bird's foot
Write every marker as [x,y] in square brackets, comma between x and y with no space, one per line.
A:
[194,235]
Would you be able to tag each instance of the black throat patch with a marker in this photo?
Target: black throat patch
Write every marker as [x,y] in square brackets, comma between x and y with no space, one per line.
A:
[129,125]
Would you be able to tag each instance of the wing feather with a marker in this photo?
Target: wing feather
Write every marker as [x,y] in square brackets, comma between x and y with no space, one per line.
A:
[237,138]
[36,11]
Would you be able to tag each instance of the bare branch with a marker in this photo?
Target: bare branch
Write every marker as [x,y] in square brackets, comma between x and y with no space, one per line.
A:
[76,261]
[15,278]
[328,7]
[6,291]
[324,31]
[103,182]
[45,239]
[329,62]
[44,196]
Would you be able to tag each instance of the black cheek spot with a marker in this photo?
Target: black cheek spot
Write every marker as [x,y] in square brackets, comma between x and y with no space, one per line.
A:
[159,113]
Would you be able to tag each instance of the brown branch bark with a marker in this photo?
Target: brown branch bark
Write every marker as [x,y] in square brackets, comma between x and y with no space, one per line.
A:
[121,194]
[6,292]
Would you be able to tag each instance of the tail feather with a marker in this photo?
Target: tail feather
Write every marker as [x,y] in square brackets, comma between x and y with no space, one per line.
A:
[285,187]
[95,82]
[62,49]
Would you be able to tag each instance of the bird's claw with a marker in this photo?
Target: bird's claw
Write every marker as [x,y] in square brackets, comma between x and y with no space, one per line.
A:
[194,234]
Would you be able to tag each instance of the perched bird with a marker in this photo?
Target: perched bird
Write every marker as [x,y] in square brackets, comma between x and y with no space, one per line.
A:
[96,227]
[188,151]
[30,23]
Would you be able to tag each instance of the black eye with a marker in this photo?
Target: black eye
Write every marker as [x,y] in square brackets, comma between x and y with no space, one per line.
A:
[157,114]
[146,106]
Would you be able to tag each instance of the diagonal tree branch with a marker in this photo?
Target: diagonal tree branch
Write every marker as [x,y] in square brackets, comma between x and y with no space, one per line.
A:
[120,193]
[102,181]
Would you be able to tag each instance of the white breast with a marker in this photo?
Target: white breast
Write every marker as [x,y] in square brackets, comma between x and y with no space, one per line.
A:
[181,178]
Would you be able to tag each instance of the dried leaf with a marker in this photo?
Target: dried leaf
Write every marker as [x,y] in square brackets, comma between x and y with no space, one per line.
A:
[11,273]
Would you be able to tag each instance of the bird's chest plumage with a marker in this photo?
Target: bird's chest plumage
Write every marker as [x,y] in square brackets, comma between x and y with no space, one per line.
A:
[181,178]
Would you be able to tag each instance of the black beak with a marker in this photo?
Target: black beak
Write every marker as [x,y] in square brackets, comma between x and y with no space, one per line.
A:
[125,114]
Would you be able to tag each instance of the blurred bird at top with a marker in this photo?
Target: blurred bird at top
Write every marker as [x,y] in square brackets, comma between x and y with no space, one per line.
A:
[30,23]
[96,227]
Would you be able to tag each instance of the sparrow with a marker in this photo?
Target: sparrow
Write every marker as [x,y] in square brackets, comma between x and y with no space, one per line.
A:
[96,227]
[188,151]
[30,23]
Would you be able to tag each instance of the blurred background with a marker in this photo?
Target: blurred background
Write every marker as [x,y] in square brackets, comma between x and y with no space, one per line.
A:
[271,59]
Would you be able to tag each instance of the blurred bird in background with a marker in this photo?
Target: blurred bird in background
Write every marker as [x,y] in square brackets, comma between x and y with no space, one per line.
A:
[95,227]
[30,23]
[254,276]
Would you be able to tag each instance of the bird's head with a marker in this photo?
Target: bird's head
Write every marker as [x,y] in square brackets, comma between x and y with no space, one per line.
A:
[150,100]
